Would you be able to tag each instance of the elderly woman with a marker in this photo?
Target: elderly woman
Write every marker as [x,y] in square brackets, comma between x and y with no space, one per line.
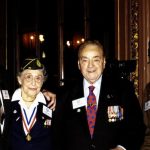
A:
[31,118]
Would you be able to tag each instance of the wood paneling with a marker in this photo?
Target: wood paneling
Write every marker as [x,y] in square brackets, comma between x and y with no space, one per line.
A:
[133,36]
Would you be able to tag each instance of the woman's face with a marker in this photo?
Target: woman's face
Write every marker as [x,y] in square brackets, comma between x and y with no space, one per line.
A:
[31,82]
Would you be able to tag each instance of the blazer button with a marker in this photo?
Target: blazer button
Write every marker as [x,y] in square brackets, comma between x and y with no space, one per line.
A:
[92,147]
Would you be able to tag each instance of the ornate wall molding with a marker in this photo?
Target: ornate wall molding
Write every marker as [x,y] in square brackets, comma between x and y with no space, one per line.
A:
[134,40]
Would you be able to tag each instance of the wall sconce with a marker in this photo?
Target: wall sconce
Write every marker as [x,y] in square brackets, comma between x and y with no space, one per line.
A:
[75,43]
[77,39]
[29,39]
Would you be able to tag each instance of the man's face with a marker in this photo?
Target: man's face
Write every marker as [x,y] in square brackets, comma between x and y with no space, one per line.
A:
[91,63]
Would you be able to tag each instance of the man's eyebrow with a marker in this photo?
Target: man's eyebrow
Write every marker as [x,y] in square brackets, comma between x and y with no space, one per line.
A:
[83,57]
[96,57]
[87,57]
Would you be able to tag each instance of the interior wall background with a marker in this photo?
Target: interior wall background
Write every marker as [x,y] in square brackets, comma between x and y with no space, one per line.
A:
[37,16]
[3,31]
[144,45]
[132,39]
[127,35]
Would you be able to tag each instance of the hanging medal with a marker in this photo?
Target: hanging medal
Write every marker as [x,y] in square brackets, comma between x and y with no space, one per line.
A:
[28,122]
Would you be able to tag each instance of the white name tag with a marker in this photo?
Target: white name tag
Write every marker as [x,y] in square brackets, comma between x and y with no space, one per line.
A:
[79,102]
[147,105]
[47,111]
[5,94]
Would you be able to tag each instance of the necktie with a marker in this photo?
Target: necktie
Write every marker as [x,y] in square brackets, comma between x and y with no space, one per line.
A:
[91,109]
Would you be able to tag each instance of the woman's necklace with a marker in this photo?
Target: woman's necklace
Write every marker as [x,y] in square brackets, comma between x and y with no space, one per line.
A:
[28,101]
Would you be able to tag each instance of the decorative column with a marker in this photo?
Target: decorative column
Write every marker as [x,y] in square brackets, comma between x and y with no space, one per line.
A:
[134,40]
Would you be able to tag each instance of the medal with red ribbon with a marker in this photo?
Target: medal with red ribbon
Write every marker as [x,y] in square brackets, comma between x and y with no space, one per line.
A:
[28,123]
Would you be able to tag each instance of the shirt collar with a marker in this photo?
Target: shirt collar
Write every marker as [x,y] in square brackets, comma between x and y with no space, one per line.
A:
[96,84]
[17,96]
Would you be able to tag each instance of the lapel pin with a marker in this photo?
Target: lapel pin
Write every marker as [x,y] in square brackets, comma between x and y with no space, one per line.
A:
[78,110]
[108,96]
[15,111]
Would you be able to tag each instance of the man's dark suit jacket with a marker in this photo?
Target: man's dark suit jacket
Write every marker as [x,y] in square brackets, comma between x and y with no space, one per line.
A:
[5,85]
[71,126]
[4,143]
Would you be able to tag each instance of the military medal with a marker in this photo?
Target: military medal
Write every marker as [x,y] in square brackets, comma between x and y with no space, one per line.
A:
[115,113]
[28,124]
[28,137]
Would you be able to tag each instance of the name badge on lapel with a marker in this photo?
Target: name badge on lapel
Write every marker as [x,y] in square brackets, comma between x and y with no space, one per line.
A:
[147,105]
[47,111]
[79,102]
[5,94]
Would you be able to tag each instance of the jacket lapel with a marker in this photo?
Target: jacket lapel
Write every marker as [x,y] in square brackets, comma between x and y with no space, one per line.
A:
[101,115]
[83,110]
[17,117]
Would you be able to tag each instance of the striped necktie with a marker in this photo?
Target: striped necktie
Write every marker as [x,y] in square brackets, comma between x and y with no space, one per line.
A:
[91,109]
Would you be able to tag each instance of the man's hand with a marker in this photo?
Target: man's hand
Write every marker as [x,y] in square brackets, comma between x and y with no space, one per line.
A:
[51,97]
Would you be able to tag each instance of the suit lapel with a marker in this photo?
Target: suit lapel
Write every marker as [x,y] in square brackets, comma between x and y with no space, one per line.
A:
[82,110]
[101,115]
[17,117]
[107,97]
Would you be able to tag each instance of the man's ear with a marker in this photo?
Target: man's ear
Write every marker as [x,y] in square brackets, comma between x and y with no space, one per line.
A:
[104,64]
[78,65]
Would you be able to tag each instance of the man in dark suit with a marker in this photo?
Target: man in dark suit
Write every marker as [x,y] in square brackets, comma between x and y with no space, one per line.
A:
[146,112]
[4,113]
[119,122]
[4,106]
